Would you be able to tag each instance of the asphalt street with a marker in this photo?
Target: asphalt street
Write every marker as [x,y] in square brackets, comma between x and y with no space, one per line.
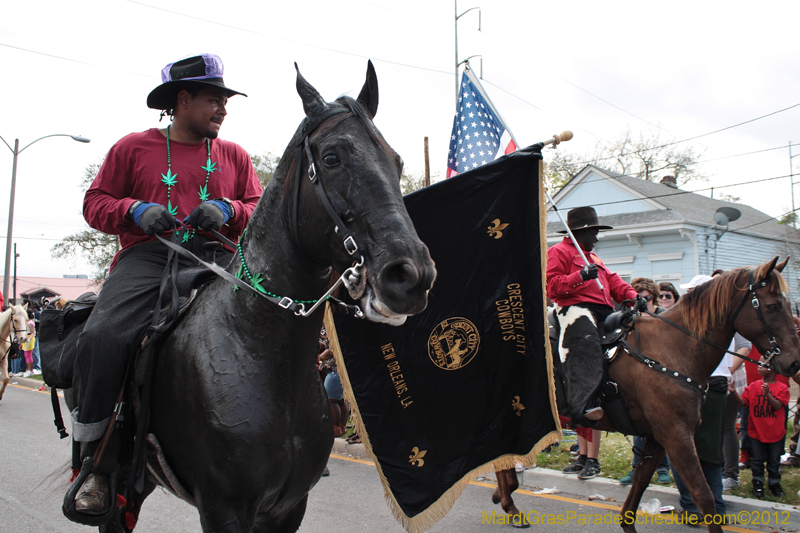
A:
[34,478]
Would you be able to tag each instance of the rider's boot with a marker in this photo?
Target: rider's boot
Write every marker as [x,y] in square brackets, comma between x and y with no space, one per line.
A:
[93,497]
[584,399]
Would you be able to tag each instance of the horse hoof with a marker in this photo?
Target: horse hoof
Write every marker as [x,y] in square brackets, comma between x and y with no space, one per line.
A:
[519,521]
[496,496]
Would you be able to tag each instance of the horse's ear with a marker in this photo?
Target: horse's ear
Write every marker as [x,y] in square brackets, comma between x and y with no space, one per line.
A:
[313,104]
[780,266]
[369,92]
[770,269]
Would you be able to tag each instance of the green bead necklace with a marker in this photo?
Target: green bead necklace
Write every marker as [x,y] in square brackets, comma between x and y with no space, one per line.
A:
[169,179]
[256,281]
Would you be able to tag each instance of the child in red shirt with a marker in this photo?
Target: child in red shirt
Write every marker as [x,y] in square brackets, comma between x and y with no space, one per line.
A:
[767,401]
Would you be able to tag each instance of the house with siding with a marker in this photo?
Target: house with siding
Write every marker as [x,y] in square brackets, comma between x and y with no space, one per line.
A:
[667,234]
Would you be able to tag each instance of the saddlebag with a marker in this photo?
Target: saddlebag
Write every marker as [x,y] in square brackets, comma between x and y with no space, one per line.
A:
[59,330]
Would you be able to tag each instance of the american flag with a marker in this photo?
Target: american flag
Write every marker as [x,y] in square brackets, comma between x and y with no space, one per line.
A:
[479,134]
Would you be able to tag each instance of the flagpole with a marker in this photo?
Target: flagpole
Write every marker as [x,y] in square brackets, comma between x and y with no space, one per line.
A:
[558,138]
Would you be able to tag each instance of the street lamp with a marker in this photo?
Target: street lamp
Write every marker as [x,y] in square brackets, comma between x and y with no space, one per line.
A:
[457,16]
[16,151]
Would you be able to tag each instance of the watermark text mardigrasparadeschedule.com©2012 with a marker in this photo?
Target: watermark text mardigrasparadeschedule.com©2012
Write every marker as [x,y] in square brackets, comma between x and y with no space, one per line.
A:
[766,518]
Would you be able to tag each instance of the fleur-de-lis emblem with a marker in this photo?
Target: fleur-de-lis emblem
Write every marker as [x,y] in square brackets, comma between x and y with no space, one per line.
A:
[518,407]
[169,179]
[203,193]
[210,167]
[416,456]
[496,229]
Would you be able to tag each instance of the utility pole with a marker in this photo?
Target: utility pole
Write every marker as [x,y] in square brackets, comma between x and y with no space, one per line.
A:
[15,273]
[427,165]
[791,180]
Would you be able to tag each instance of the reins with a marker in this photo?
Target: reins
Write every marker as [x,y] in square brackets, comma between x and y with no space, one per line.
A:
[285,302]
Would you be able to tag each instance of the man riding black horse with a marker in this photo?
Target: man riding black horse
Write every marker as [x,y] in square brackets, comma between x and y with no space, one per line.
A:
[149,182]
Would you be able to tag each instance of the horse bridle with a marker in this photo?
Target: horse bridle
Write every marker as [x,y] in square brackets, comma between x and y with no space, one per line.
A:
[751,290]
[14,338]
[308,128]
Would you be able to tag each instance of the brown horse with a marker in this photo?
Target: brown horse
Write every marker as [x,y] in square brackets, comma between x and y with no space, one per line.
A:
[665,410]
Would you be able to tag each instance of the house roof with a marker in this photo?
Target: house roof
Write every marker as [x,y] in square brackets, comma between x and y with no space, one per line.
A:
[69,288]
[685,206]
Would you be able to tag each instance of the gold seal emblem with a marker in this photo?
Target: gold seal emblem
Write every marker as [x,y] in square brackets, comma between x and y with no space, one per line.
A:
[453,343]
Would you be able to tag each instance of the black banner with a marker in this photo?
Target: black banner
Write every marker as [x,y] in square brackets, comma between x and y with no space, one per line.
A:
[466,384]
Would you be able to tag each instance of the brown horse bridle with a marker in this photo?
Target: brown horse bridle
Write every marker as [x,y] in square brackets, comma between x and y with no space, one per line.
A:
[751,291]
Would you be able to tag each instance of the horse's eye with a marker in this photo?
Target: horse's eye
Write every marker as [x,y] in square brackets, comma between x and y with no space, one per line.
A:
[331,159]
[774,307]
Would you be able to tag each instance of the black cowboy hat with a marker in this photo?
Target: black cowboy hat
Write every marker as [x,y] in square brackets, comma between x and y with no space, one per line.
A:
[583,218]
[204,69]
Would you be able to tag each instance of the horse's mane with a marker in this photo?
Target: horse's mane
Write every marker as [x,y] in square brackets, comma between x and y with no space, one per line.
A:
[711,304]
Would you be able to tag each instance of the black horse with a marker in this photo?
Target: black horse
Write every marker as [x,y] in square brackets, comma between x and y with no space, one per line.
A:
[238,410]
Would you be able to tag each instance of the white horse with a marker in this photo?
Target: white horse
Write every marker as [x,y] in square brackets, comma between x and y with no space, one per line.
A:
[13,325]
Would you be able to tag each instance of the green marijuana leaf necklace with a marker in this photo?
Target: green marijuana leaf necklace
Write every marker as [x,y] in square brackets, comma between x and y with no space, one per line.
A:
[169,179]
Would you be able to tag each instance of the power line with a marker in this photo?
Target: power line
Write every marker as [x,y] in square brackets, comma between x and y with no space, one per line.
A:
[697,137]
[746,153]
[261,34]
[75,60]
[680,192]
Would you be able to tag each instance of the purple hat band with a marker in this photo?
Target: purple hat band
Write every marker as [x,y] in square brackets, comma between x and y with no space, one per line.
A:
[206,69]
[200,67]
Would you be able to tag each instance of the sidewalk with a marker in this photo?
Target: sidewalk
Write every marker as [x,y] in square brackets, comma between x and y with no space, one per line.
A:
[28,382]
[535,479]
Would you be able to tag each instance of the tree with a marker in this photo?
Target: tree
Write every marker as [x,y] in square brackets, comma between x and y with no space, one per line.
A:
[99,248]
[561,169]
[96,247]
[645,155]
[789,219]
[265,165]
[411,182]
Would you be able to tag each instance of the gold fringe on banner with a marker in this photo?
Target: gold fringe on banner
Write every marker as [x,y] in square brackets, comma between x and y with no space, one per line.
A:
[426,519]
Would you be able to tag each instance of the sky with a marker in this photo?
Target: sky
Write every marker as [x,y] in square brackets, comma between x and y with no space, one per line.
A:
[681,69]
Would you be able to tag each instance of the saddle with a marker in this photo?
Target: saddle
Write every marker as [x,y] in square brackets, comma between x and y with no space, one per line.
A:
[611,332]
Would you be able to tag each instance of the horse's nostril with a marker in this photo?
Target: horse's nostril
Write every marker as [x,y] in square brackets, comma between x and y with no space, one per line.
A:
[402,275]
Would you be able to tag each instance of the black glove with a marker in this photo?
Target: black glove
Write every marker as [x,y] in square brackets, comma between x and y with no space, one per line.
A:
[589,272]
[209,215]
[154,219]
[639,304]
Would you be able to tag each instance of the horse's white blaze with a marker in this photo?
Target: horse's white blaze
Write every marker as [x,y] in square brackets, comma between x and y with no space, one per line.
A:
[564,321]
